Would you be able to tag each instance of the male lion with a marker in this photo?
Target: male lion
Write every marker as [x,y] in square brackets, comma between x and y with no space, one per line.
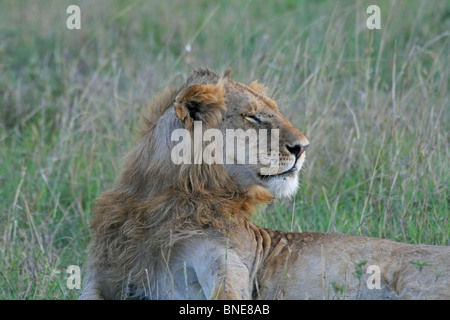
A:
[183,231]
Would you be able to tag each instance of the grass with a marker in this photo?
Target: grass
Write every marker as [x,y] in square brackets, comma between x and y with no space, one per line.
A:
[373,103]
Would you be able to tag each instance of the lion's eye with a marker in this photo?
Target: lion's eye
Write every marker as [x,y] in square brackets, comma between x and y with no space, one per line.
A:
[253,119]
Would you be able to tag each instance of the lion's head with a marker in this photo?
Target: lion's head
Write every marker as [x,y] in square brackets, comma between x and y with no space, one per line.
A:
[208,151]
[217,122]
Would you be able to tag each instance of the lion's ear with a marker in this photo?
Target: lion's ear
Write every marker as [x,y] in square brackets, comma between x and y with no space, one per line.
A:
[200,102]
[255,85]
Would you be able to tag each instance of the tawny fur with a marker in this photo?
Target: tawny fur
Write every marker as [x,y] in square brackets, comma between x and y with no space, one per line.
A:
[169,231]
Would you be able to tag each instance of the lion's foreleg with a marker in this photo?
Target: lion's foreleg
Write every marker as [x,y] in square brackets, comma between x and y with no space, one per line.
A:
[221,273]
[233,281]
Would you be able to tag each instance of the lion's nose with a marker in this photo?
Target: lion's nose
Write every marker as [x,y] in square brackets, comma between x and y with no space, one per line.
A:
[297,149]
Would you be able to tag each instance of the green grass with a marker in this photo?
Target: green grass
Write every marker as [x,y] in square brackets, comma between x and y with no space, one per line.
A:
[373,103]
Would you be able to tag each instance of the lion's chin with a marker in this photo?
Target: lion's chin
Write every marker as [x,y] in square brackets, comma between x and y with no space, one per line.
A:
[284,186]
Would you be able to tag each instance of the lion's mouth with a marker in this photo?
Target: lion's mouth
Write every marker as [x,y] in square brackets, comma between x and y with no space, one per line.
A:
[290,172]
[285,173]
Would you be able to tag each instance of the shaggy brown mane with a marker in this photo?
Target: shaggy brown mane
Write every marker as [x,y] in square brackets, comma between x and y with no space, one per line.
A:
[155,200]
[155,110]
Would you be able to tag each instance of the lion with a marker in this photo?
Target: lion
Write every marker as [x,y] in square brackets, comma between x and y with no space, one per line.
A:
[184,231]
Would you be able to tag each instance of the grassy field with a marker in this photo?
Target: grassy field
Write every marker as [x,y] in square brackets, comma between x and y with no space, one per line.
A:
[373,103]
